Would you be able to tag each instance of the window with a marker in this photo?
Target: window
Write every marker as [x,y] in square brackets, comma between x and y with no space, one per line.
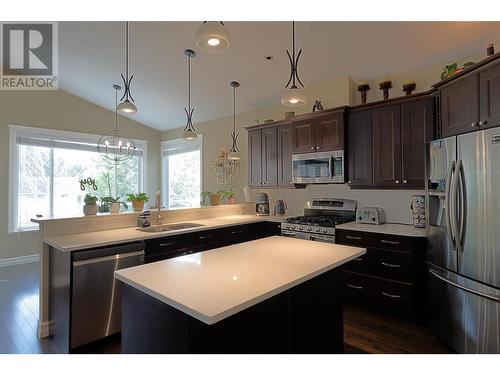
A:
[46,167]
[182,178]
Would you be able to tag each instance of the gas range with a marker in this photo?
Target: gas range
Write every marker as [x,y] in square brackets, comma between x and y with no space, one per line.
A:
[319,220]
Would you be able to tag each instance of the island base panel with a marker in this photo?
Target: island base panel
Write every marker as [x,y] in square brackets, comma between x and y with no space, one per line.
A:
[304,319]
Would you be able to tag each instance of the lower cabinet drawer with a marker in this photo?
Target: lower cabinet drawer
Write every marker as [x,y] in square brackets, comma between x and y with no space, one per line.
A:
[377,292]
[237,234]
[205,240]
[386,264]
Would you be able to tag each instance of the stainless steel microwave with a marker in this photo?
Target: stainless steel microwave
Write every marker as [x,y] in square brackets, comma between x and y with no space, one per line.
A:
[318,168]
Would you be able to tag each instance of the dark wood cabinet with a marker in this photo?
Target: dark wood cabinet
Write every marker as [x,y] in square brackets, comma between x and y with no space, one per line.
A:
[359,138]
[303,136]
[417,122]
[323,132]
[270,156]
[390,276]
[254,157]
[330,132]
[387,146]
[285,156]
[460,106]
[489,95]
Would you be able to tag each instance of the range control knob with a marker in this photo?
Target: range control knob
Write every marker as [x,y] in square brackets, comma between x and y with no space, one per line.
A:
[360,217]
[309,229]
[318,229]
[299,228]
[324,230]
[373,218]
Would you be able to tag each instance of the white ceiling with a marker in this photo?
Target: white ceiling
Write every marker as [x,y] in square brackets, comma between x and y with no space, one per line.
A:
[92,58]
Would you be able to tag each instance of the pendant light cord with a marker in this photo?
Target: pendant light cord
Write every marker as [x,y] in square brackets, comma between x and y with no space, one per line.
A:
[293,51]
[234,110]
[189,83]
[126,49]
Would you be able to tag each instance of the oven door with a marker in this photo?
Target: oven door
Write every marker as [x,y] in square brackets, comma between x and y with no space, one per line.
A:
[299,235]
[322,238]
[318,167]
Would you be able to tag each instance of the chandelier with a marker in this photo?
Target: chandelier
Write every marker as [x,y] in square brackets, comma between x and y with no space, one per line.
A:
[116,146]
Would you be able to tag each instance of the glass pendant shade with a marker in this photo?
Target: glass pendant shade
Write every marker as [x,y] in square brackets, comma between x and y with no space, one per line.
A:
[127,107]
[189,135]
[294,97]
[212,36]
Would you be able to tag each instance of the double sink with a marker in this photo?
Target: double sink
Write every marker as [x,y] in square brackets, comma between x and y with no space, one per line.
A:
[169,227]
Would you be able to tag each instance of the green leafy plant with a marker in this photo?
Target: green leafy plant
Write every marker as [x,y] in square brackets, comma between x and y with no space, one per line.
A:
[227,194]
[90,200]
[139,197]
[110,200]
[204,197]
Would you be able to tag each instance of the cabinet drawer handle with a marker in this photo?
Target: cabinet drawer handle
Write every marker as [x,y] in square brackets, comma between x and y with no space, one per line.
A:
[354,237]
[405,181]
[391,295]
[358,259]
[236,232]
[390,242]
[167,244]
[397,181]
[354,286]
[392,265]
[205,237]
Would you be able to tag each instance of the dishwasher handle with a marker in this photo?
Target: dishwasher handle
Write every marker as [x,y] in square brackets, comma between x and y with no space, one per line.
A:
[108,251]
[107,258]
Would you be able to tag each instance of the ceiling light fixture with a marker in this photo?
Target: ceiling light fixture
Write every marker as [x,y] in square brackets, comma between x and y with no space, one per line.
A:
[189,130]
[234,152]
[116,146]
[127,105]
[212,36]
[293,95]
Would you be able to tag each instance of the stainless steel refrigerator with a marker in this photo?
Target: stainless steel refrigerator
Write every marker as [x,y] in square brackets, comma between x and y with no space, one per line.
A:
[463,240]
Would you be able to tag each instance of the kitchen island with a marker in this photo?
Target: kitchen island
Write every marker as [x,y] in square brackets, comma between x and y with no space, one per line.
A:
[272,295]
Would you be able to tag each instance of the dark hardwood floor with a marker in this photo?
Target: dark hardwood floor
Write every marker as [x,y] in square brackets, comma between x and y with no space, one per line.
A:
[363,332]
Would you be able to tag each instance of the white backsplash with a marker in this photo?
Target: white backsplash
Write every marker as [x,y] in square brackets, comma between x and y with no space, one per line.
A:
[396,203]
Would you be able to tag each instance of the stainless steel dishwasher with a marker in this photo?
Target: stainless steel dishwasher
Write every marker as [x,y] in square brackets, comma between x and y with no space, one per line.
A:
[96,297]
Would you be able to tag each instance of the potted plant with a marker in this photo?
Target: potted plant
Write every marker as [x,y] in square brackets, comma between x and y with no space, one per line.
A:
[138,201]
[229,196]
[214,198]
[90,207]
[114,204]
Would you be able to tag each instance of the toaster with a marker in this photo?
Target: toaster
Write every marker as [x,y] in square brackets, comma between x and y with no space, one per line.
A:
[370,215]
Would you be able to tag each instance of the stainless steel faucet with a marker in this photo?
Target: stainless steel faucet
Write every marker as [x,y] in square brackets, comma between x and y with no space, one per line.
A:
[158,206]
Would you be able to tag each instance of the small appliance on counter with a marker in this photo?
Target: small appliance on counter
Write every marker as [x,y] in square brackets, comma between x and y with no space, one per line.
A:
[417,207]
[143,219]
[370,215]
[280,207]
[262,204]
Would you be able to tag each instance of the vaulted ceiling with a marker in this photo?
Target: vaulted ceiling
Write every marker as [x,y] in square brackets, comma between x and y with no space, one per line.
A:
[92,58]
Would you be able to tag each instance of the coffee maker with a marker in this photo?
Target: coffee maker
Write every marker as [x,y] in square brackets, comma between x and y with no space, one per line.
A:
[262,204]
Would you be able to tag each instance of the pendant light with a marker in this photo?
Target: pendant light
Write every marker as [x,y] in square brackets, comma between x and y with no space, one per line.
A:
[127,105]
[234,152]
[189,130]
[293,95]
[116,146]
[212,36]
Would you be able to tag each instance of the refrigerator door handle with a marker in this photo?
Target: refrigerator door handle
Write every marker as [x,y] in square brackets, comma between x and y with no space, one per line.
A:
[463,205]
[476,292]
[448,206]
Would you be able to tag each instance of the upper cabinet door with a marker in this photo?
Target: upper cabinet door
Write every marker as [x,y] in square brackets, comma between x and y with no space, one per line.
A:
[387,146]
[269,156]
[359,139]
[285,156]
[255,157]
[417,119]
[303,136]
[330,132]
[460,107]
[489,94]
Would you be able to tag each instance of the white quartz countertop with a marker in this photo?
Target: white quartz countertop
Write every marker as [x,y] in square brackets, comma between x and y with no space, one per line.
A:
[395,229]
[81,241]
[216,284]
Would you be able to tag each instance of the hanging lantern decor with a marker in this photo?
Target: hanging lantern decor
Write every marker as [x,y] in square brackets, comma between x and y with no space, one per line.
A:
[116,146]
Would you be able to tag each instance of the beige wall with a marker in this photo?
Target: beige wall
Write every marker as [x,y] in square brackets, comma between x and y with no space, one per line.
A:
[61,111]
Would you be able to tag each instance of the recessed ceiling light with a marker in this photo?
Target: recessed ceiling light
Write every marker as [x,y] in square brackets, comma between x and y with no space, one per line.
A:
[269,57]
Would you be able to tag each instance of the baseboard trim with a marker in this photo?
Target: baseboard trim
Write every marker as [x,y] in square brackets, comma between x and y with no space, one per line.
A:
[43,329]
[19,260]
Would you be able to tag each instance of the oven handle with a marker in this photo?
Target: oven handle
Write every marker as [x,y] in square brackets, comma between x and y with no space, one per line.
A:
[287,233]
[322,238]
[331,167]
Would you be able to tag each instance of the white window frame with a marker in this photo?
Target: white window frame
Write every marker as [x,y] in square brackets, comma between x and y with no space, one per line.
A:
[60,135]
[177,143]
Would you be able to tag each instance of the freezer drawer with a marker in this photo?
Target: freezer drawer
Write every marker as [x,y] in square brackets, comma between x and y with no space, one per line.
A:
[463,313]
[96,297]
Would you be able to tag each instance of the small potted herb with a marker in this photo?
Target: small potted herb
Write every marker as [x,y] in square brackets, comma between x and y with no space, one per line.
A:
[228,195]
[90,207]
[138,201]
[214,198]
[114,204]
